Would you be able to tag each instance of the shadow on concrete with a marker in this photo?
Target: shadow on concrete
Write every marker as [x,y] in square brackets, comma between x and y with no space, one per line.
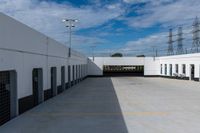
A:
[89,107]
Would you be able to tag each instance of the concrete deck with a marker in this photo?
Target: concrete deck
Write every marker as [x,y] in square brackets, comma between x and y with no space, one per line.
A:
[117,105]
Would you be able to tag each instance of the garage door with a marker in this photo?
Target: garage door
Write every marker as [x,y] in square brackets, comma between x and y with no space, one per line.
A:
[4,97]
[113,70]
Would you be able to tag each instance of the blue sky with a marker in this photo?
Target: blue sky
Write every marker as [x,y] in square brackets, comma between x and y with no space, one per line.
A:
[129,26]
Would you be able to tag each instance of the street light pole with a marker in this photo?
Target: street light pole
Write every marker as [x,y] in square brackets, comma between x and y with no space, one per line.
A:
[70,24]
[92,48]
[70,38]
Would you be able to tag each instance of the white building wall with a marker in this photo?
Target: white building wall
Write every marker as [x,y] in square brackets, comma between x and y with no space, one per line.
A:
[95,67]
[151,66]
[16,36]
[22,49]
[187,59]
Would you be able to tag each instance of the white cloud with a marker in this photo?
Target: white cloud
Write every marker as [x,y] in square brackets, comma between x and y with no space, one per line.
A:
[145,45]
[171,13]
[87,41]
[134,1]
[46,16]
[152,2]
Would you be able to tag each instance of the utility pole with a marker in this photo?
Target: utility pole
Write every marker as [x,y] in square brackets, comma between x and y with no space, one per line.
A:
[196,39]
[70,23]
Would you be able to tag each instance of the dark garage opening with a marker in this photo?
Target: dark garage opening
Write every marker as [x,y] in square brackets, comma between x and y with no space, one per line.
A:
[4,97]
[37,83]
[117,70]
[8,96]
[54,81]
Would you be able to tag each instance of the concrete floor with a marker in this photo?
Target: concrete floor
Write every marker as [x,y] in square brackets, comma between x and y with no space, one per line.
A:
[116,105]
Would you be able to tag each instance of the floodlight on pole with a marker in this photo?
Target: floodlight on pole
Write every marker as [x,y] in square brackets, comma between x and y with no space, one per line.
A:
[70,23]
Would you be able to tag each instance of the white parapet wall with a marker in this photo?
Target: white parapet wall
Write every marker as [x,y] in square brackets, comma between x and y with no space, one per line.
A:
[23,49]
